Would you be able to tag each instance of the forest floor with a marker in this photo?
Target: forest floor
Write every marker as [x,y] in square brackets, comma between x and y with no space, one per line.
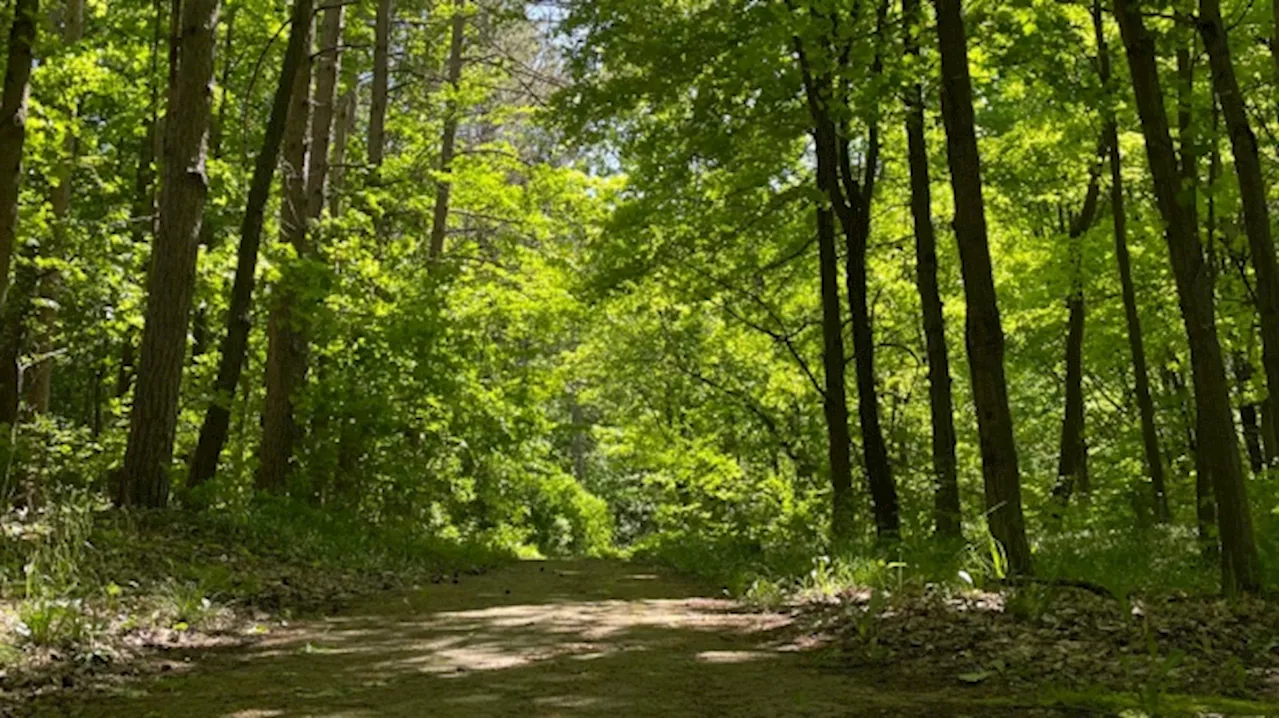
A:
[586,637]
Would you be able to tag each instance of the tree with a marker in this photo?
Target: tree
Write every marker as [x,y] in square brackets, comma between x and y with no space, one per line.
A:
[1133,325]
[286,340]
[13,129]
[378,105]
[41,382]
[1257,217]
[984,337]
[850,202]
[1215,428]
[144,480]
[449,133]
[946,509]
[235,342]
[1073,470]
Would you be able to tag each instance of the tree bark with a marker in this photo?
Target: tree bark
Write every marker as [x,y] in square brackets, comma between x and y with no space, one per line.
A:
[329,58]
[1216,440]
[448,135]
[13,129]
[857,232]
[1137,351]
[235,342]
[835,405]
[1253,196]
[171,275]
[378,92]
[946,491]
[346,121]
[286,340]
[1248,413]
[850,202]
[984,337]
[1073,455]
[41,381]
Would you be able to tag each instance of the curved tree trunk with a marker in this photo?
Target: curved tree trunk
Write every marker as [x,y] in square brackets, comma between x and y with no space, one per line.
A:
[1216,437]
[171,276]
[217,418]
[984,337]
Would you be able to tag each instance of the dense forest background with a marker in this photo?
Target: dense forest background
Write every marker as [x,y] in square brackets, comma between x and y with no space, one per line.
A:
[748,287]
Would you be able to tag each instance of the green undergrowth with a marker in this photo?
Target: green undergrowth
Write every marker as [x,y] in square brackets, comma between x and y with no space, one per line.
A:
[1129,705]
[85,585]
[1144,561]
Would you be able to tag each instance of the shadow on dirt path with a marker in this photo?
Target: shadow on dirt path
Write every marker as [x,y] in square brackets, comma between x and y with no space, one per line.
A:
[571,638]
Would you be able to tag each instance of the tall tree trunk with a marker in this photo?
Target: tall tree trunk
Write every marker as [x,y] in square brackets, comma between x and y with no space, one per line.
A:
[286,339]
[171,276]
[345,122]
[13,129]
[217,418]
[1275,35]
[1248,413]
[857,201]
[322,109]
[41,382]
[984,337]
[1253,196]
[1073,455]
[946,492]
[1216,438]
[835,405]
[143,219]
[449,135]
[14,318]
[378,92]
[1137,352]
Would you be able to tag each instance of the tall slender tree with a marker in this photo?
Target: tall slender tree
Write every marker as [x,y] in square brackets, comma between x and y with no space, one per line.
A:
[946,492]
[1133,325]
[13,129]
[1216,437]
[378,90]
[286,338]
[235,342]
[1257,215]
[449,133]
[144,480]
[40,383]
[984,337]
[1073,454]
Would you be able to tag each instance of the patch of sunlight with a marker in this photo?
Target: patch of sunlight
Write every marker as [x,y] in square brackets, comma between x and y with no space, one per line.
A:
[642,577]
[732,656]
[255,713]
[474,699]
[567,701]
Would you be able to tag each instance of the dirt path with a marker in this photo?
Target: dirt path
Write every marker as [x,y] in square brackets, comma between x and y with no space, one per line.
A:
[580,638]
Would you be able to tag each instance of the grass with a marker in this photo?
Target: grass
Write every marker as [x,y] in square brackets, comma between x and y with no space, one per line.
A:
[83,581]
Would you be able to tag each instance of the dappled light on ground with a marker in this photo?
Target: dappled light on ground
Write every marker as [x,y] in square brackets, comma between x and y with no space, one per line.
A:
[538,638]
